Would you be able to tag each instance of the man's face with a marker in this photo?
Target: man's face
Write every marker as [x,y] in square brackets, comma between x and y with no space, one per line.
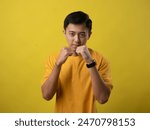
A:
[76,35]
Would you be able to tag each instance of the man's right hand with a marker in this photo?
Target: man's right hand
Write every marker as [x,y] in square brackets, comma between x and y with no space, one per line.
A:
[64,54]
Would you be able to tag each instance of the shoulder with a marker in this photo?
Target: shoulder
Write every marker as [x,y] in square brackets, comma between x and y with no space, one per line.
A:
[99,57]
[96,54]
[53,56]
[51,59]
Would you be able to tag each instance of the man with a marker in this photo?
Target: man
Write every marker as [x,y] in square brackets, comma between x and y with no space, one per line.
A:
[78,75]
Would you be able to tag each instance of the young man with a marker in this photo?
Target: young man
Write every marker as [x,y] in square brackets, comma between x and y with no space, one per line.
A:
[78,75]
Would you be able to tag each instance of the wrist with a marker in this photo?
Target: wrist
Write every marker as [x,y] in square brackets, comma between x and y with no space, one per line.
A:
[91,64]
[89,60]
[58,65]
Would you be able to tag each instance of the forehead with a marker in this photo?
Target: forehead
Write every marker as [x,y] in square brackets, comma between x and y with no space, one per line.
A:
[76,27]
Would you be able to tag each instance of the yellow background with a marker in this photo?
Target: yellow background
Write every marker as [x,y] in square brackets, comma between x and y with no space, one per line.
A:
[31,30]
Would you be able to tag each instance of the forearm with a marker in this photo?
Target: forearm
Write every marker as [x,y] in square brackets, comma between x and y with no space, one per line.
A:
[51,84]
[100,89]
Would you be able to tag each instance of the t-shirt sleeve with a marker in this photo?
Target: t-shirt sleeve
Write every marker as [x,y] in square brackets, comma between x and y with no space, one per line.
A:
[49,65]
[105,72]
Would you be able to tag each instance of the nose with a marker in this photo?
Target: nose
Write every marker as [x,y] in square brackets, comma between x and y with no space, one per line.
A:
[77,38]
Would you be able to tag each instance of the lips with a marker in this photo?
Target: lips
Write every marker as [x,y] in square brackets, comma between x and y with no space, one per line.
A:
[75,45]
[73,48]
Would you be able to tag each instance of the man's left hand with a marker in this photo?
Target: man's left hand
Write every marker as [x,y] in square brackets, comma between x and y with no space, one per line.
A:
[84,52]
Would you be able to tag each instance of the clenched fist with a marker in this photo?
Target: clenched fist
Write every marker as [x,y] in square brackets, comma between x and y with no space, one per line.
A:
[84,52]
[65,52]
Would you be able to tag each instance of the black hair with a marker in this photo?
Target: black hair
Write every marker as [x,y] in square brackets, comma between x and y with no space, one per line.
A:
[78,17]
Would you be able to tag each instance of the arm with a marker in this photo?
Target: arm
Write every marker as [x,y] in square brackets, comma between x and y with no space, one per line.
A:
[50,86]
[100,89]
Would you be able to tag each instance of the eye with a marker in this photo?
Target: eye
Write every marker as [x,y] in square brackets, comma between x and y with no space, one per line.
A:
[82,35]
[72,34]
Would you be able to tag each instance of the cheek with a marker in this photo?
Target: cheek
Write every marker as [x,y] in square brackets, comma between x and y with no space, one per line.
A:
[68,37]
[83,41]
[69,40]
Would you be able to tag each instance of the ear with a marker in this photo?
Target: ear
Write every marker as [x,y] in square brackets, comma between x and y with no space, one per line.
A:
[64,31]
[90,33]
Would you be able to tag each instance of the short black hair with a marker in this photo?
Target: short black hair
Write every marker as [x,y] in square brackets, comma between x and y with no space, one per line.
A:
[78,17]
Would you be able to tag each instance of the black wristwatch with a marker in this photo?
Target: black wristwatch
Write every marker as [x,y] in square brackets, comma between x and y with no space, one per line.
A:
[92,64]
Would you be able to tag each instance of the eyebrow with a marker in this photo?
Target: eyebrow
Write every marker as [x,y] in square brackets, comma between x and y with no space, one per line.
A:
[75,32]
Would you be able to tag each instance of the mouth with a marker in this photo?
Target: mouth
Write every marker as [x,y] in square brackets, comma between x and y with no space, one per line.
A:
[73,49]
[74,46]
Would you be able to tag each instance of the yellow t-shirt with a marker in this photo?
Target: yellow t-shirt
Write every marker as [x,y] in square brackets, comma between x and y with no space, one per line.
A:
[75,92]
